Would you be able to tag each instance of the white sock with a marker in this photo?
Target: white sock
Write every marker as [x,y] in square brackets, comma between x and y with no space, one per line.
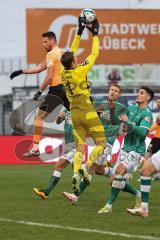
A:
[144,206]
[107,171]
[138,194]
[109,205]
[57,174]
[89,177]
[35,146]
[76,175]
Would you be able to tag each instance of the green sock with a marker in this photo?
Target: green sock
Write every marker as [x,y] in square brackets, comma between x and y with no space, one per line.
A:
[114,195]
[130,189]
[82,186]
[53,182]
[145,188]
[117,185]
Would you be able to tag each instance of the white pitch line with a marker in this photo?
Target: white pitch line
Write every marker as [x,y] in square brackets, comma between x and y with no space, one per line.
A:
[125,235]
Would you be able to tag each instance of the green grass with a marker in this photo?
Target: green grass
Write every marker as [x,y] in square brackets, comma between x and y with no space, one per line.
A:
[18,202]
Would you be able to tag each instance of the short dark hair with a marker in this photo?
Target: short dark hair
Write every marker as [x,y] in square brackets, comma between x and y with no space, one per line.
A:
[115,85]
[67,59]
[50,35]
[149,91]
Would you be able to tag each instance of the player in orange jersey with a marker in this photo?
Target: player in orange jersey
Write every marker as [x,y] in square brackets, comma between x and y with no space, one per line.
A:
[52,80]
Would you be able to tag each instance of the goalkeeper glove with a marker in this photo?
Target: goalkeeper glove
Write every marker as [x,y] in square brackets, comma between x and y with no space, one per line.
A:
[95,27]
[16,73]
[37,95]
[80,27]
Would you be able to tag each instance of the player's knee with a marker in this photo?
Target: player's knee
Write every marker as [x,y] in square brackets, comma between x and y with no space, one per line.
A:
[145,172]
[92,169]
[99,170]
[121,169]
[40,115]
[61,165]
[59,169]
[78,154]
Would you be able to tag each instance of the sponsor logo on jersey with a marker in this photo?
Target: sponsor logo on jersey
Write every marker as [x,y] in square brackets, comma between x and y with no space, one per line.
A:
[49,62]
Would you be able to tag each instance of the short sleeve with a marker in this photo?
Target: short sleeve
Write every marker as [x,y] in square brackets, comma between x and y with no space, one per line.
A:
[50,60]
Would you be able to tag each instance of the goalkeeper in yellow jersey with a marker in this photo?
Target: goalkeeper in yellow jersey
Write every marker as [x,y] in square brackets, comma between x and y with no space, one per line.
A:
[84,117]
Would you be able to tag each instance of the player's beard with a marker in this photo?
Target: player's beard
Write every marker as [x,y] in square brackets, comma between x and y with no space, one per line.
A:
[48,49]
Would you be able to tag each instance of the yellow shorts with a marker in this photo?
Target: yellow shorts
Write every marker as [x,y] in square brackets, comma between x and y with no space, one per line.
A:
[86,122]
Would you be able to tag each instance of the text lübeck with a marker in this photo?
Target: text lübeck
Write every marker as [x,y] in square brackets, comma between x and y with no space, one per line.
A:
[122,43]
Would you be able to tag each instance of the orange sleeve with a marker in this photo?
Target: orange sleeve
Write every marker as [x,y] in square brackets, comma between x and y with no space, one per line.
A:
[50,59]
[154,127]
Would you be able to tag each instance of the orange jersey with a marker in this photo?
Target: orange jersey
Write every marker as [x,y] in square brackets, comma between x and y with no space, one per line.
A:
[53,60]
[155,127]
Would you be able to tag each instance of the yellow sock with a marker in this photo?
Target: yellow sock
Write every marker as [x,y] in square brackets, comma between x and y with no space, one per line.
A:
[95,154]
[77,161]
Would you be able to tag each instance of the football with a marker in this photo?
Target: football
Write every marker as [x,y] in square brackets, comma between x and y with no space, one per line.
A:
[87,16]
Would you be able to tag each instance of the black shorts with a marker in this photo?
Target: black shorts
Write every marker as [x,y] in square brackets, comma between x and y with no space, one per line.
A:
[154,146]
[56,96]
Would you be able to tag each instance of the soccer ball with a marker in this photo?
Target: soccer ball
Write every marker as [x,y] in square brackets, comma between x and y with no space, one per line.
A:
[87,16]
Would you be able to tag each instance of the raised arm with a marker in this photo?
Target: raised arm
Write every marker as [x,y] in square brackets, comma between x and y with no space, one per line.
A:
[75,43]
[90,60]
[77,38]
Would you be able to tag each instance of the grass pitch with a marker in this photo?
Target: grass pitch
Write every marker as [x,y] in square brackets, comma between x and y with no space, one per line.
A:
[24,216]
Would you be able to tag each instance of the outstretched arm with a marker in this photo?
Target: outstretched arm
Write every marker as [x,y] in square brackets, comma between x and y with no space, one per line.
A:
[37,69]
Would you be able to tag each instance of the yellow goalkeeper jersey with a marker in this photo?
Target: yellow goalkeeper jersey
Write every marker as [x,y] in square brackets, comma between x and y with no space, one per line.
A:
[75,80]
